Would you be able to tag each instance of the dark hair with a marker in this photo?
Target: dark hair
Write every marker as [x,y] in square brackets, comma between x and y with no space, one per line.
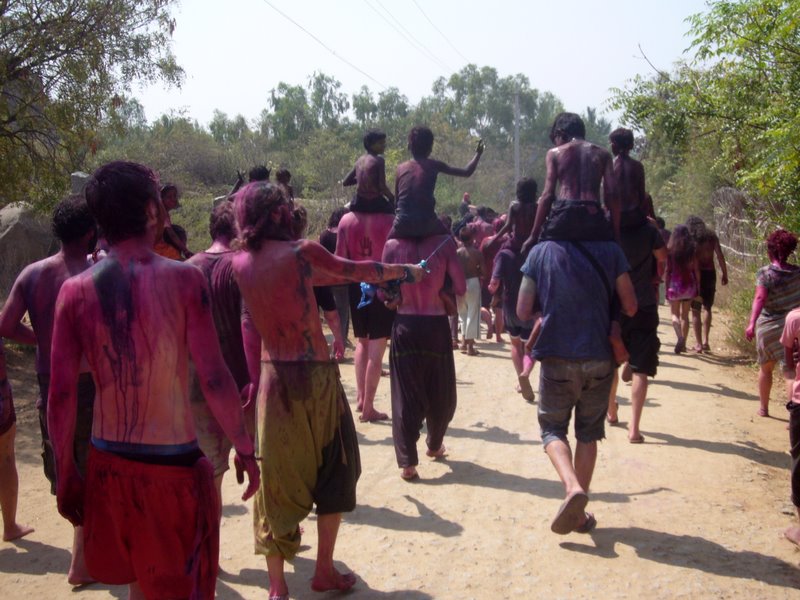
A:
[467,233]
[168,187]
[568,125]
[72,219]
[698,229]
[681,246]
[259,173]
[526,190]
[282,176]
[254,206]
[372,136]
[222,223]
[622,138]
[781,244]
[420,141]
[299,221]
[660,222]
[118,194]
[336,216]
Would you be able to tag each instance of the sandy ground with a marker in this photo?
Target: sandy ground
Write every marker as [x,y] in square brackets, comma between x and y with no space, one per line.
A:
[696,512]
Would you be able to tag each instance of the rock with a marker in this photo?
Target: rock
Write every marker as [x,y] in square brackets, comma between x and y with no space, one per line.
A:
[25,237]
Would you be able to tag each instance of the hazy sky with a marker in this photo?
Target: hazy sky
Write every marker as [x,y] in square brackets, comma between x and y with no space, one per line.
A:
[235,52]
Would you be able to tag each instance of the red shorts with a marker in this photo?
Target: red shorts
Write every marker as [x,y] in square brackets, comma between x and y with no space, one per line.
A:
[158,525]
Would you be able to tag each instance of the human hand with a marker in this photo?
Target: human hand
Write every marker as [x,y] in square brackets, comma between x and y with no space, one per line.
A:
[246,463]
[481,147]
[248,395]
[338,350]
[724,279]
[414,273]
[70,495]
[750,332]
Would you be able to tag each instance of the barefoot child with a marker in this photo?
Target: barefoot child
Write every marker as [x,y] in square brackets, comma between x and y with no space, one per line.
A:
[682,276]
[415,183]
[369,174]
[789,339]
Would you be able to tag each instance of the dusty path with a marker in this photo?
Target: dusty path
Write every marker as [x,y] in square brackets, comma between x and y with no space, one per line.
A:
[695,512]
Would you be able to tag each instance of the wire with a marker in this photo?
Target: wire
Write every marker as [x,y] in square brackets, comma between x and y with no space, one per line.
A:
[414,41]
[321,43]
[440,31]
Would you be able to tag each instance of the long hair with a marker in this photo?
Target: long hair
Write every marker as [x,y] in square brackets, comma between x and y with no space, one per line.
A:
[255,206]
[681,247]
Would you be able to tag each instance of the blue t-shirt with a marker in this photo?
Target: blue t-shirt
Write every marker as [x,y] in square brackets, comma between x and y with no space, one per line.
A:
[507,265]
[574,301]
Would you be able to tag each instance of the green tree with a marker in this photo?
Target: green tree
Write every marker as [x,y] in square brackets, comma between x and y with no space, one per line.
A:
[63,66]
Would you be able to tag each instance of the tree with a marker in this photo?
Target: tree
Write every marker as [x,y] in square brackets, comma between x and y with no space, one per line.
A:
[63,65]
[328,104]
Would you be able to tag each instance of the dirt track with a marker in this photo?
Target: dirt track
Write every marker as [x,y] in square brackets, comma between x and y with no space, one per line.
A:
[696,512]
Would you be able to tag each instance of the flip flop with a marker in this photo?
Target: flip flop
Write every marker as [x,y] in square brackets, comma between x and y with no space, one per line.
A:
[375,419]
[763,412]
[569,513]
[588,525]
[637,440]
[706,348]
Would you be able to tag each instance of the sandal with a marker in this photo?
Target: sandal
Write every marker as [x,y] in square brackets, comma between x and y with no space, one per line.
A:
[763,412]
[587,526]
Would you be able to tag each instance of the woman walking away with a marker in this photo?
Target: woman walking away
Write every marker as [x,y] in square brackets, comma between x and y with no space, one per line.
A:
[777,292]
[682,277]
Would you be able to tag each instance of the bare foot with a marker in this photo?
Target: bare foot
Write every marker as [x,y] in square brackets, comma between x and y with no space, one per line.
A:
[359,407]
[333,581]
[500,340]
[409,473]
[373,417]
[440,453]
[793,535]
[78,579]
[16,532]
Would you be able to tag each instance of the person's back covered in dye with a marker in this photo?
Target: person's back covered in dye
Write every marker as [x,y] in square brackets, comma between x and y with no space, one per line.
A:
[415,183]
[369,175]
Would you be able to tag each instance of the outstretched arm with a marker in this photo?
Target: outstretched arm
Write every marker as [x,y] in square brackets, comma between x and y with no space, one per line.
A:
[471,165]
[327,269]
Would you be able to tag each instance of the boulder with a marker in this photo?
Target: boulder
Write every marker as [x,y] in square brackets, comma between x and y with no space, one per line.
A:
[25,237]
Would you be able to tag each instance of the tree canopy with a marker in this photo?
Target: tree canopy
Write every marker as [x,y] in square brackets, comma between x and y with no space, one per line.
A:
[63,65]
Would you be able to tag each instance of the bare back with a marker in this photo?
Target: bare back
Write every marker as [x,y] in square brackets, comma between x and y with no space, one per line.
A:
[423,298]
[131,320]
[361,236]
[581,168]
[521,215]
[630,183]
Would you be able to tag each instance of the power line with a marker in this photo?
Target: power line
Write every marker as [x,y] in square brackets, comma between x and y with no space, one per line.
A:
[440,31]
[321,43]
[414,39]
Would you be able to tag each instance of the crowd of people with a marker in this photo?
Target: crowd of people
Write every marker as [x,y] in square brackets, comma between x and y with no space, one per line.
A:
[153,368]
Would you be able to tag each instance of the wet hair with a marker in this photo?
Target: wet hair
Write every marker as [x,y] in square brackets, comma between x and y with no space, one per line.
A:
[681,246]
[222,223]
[336,216]
[254,206]
[118,194]
[72,219]
[781,244]
[622,138]
[372,136]
[568,125]
[282,176]
[420,141]
[259,173]
[660,222]
[526,190]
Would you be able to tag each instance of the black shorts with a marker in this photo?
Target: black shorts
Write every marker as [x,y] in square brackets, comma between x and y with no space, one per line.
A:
[515,331]
[577,220]
[640,336]
[708,289]
[374,321]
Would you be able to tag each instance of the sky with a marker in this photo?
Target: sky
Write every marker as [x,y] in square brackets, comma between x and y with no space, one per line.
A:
[235,52]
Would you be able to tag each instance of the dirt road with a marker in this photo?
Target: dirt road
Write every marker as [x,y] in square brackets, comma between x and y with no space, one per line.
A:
[696,512]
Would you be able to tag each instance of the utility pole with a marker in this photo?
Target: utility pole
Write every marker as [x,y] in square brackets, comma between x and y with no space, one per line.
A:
[516,136]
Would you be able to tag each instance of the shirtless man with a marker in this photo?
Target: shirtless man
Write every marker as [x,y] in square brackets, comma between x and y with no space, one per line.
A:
[147,503]
[578,169]
[9,480]
[172,244]
[35,292]
[226,308]
[362,236]
[707,247]
[307,441]
[521,215]
[423,372]
[635,204]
